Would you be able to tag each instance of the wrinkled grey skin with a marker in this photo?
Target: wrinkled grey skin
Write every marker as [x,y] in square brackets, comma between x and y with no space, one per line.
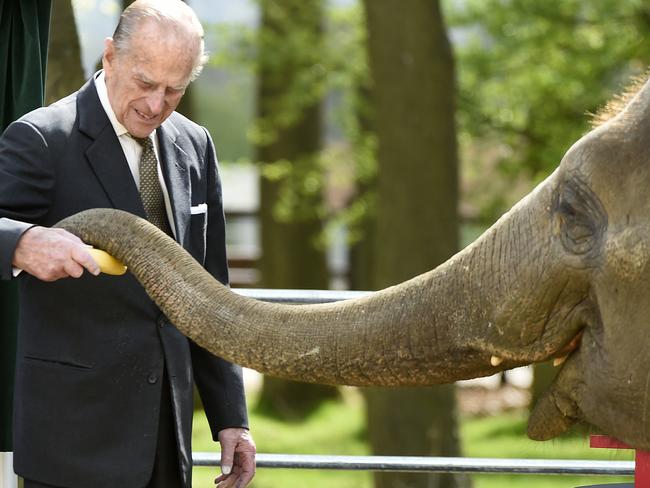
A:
[571,258]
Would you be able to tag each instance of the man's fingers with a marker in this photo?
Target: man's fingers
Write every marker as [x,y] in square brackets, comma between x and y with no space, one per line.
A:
[51,275]
[227,456]
[221,477]
[73,269]
[237,458]
[81,255]
[51,254]
[247,460]
[229,481]
[226,480]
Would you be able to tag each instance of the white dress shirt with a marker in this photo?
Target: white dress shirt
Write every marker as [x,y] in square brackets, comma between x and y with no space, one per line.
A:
[131,148]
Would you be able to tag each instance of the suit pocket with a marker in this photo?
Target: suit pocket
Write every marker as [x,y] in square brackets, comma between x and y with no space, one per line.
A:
[58,416]
[57,363]
[198,231]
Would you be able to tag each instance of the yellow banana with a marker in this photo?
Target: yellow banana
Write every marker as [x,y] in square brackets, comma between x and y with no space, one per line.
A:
[107,263]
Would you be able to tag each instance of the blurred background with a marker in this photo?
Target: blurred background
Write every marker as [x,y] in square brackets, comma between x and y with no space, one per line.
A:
[364,142]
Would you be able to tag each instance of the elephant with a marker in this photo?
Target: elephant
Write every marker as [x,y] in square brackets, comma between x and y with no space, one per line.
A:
[564,275]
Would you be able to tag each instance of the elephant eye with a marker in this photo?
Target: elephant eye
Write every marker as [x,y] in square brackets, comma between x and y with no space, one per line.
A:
[581,215]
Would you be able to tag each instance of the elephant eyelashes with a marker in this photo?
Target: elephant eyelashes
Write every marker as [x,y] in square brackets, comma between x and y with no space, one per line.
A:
[581,215]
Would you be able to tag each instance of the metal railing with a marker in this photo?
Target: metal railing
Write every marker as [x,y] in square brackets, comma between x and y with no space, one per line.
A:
[415,464]
[302,297]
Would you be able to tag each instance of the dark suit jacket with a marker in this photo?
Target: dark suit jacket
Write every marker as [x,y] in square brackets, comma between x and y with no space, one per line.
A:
[91,351]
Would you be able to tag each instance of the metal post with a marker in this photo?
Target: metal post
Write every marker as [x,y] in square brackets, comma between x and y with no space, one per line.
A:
[7,477]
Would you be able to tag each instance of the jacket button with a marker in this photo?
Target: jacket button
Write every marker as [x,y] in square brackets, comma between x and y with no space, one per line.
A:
[152,379]
[161,322]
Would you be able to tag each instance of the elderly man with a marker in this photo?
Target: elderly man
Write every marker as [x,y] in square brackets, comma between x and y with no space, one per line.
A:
[104,382]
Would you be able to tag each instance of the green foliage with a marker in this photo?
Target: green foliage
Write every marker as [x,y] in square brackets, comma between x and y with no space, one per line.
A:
[291,56]
[226,111]
[529,75]
[351,115]
[335,428]
[302,181]
[335,73]
[530,72]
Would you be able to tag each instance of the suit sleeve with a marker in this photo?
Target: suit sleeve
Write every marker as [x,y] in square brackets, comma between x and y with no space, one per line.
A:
[219,382]
[26,183]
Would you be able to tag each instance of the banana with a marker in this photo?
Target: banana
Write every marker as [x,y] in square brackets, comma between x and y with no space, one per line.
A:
[107,263]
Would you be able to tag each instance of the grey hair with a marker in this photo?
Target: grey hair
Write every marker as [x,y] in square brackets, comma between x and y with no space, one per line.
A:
[173,12]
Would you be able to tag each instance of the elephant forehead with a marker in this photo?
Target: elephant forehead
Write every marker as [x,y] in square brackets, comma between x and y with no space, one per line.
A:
[616,166]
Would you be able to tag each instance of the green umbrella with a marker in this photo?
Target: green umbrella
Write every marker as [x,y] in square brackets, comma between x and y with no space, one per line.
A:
[24,28]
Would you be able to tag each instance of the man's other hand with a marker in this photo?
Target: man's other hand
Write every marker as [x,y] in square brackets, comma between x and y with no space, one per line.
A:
[237,458]
[51,254]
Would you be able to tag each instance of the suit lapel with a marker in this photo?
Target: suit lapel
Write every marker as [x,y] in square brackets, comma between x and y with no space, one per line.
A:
[105,155]
[172,162]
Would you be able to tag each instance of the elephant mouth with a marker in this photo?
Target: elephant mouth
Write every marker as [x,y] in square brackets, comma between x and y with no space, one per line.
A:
[556,411]
[562,355]
[558,357]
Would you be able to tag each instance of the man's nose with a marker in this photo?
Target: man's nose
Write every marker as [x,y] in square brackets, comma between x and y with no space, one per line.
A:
[155,102]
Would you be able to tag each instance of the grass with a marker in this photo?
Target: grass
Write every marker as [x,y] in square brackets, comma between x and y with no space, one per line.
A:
[335,428]
[338,428]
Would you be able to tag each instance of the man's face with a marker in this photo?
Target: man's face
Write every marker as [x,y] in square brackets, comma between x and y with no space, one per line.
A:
[145,82]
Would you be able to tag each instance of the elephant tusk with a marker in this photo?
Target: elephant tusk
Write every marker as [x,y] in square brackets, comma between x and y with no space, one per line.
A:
[568,349]
[558,361]
[495,361]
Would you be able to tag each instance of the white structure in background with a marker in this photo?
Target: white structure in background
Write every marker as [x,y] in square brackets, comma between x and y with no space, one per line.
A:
[7,477]
[241,201]
[520,377]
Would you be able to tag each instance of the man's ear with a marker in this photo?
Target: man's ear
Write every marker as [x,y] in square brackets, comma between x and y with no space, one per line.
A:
[108,58]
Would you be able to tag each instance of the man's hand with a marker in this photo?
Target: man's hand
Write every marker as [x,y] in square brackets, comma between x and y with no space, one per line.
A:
[237,458]
[50,254]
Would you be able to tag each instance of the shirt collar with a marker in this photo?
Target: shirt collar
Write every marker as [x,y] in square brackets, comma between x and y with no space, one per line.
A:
[102,91]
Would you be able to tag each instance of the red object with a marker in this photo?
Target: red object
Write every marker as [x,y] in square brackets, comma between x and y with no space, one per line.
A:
[641,458]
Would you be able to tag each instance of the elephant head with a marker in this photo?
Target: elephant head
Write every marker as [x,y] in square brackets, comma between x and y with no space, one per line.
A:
[564,272]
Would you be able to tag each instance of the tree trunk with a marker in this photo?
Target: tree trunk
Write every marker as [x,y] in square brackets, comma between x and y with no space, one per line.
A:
[413,422]
[416,224]
[290,258]
[64,70]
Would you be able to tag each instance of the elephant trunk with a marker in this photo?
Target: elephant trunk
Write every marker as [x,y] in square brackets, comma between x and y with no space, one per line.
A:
[438,327]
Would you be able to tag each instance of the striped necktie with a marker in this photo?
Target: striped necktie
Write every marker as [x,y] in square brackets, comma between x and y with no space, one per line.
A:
[150,189]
